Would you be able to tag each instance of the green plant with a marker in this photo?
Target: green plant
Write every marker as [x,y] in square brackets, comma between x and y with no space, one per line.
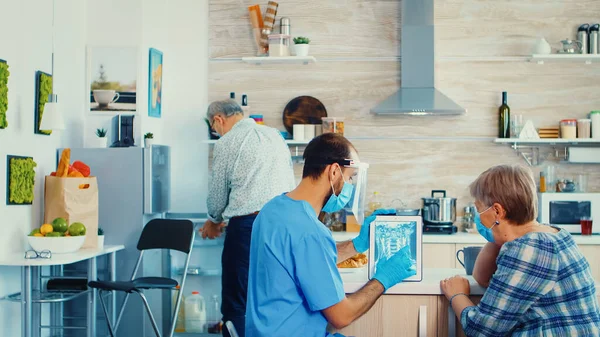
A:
[4,74]
[101,133]
[44,89]
[21,180]
[301,40]
[100,231]
[149,135]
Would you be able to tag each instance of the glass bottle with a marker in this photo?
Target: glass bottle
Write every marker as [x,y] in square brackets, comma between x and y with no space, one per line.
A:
[504,118]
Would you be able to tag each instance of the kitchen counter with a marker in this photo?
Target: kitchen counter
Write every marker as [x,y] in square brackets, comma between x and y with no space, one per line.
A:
[430,285]
[466,238]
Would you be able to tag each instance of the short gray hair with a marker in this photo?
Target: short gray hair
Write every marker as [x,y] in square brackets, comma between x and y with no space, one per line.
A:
[513,187]
[227,107]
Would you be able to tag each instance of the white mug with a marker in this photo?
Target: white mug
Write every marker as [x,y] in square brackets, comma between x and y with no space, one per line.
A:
[298,131]
[105,97]
[309,131]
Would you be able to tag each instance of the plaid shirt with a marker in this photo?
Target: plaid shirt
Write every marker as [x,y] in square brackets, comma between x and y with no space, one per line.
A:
[543,287]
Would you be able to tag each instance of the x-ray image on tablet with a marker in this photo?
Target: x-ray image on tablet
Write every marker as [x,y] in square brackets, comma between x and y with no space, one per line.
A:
[389,234]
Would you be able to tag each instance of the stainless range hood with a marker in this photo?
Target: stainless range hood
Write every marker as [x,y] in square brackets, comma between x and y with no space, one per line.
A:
[417,94]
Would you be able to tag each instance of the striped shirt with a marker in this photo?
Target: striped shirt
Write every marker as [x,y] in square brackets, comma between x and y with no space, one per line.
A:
[251,165]
[543,287]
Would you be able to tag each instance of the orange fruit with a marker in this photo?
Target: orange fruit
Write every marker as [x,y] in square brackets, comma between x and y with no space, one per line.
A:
[46,228]
[38,235]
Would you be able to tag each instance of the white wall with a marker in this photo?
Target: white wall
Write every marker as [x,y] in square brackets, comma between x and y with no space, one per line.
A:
[178,28]
[26,44]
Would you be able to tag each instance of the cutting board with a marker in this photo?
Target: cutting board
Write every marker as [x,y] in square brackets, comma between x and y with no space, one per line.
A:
[303,110]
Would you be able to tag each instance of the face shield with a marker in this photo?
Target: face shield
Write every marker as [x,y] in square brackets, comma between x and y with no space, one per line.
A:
[359,197]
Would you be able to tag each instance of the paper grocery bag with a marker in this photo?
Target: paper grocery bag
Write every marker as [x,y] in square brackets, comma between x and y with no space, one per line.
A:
[76,200]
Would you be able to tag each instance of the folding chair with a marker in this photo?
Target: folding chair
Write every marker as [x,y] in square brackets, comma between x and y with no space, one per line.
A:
[157,234]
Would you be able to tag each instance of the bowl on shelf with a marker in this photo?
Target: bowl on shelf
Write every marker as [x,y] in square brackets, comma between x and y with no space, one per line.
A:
[56,245]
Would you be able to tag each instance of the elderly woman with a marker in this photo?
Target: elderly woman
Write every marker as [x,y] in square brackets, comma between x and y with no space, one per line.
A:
[539,283]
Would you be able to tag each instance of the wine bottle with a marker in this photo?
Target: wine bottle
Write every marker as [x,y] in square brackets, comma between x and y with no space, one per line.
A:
[504,118]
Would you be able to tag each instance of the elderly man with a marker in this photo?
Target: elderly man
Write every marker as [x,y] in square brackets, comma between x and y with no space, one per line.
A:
[251,165]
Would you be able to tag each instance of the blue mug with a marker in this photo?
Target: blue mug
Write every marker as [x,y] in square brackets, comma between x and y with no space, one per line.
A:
[469,257]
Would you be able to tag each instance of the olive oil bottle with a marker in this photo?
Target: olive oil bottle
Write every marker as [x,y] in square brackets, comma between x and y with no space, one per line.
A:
[504,118]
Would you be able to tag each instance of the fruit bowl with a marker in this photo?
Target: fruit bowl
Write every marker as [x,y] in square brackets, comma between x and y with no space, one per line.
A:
[56,245]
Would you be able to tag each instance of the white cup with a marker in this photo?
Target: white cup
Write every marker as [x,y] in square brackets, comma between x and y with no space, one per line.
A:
[105,97]
[309,131]
[298,131]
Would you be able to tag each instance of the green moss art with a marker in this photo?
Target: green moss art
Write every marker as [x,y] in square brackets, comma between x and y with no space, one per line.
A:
[20,180]
[43,88]
[4,74]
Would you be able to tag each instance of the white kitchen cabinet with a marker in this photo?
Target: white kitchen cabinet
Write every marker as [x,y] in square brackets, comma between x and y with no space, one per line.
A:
[439,255]
[397,315]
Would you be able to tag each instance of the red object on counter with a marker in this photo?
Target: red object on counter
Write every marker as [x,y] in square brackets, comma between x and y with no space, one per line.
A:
[586,226]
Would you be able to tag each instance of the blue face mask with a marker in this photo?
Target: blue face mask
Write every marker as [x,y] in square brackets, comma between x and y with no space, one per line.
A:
[337,202]
[484,231]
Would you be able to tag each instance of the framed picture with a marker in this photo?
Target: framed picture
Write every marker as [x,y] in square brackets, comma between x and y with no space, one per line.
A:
[112,77]
[20,180]
[4,74]
[43,88]
[155,83]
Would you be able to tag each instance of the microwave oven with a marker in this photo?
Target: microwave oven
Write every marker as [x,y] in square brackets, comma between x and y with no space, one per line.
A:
[564,210]
[389,234]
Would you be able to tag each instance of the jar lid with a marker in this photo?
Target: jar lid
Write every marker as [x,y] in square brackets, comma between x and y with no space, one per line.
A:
[332,118]
[595,112]
[568,121]
[584,120]
[195,293]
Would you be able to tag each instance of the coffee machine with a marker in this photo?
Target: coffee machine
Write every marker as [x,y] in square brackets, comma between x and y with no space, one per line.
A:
[122,131]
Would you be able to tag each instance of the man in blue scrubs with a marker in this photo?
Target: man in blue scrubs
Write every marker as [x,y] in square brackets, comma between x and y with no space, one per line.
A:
[294,286]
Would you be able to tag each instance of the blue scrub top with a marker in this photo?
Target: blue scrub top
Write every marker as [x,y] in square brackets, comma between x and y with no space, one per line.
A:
[293,273]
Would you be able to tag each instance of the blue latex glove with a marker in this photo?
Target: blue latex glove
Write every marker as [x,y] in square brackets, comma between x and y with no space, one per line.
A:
[395,269]
[361,242]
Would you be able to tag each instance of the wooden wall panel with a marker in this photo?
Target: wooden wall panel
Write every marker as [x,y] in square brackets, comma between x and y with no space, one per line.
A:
[472,37]
[335,27]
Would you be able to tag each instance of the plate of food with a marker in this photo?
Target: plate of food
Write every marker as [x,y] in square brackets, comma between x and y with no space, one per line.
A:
[354,264]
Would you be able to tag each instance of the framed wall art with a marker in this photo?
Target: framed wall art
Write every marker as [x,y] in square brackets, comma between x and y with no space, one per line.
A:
[20,180]
[155,83]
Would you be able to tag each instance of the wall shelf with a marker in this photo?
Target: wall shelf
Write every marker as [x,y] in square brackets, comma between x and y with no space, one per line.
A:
[529,149]
[280,60]
[573,58]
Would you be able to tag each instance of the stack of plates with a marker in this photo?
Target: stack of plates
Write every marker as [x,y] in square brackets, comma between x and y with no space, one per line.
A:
[551,132]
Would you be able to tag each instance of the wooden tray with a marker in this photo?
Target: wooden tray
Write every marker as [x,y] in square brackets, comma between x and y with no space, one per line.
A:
[303,110]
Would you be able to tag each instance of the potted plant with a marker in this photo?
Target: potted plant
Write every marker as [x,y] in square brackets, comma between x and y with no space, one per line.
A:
[148,139]
[301,45]
[100,238]
[100,140]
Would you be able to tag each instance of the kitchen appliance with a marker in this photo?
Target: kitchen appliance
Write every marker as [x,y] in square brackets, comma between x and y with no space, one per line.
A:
[389,234]
[570,47]
[594,37]
[582,37]
[564,210]
[439,213]
[418,95]
[133,188]
[122,131]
